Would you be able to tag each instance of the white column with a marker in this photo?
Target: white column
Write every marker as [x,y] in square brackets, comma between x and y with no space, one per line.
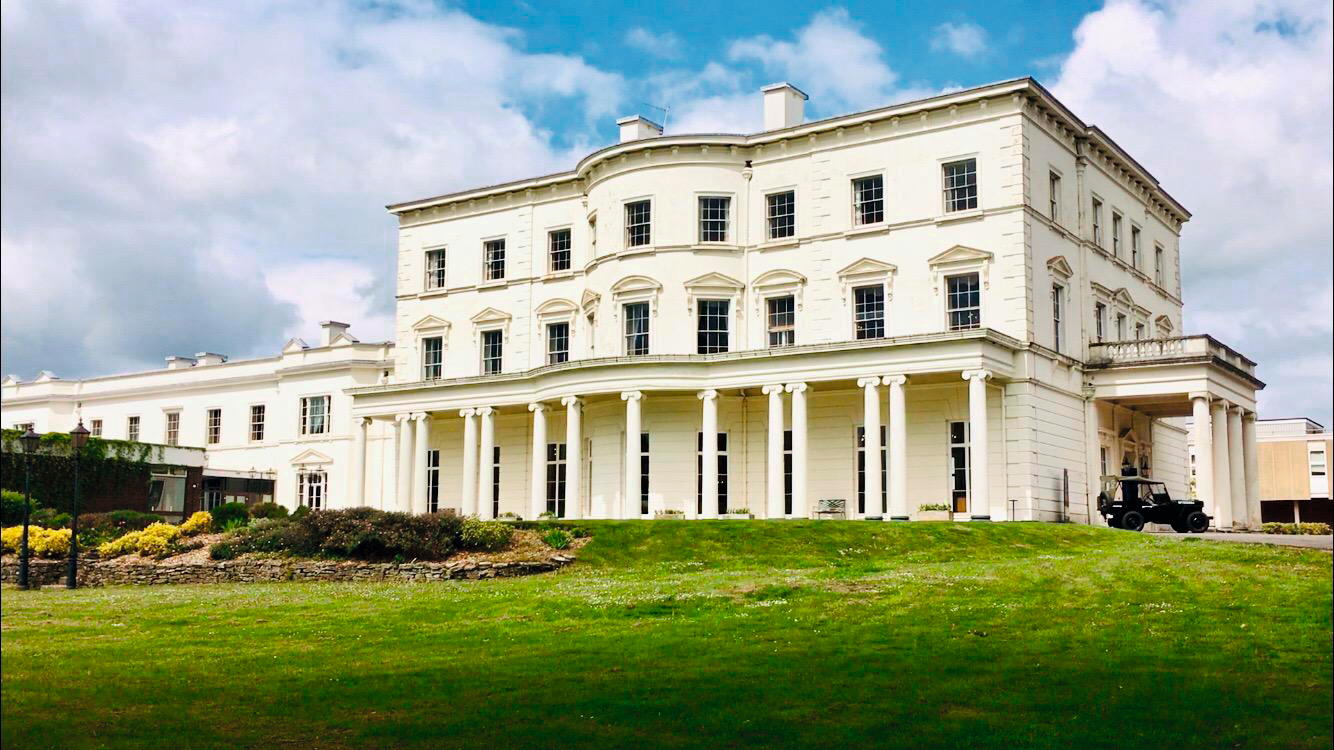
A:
[1092,458]
[469,472]
[1296,511]
[403,494]
[422,444]
[537,499]
[633,428]
[773,484]
[871,448]
[356,476]
[573,456]
[1202,427]
[708,428]
[800,509]
[898,449]
[485,455]
[1222,472]
[1251,460]
[979,485]
[1236,462]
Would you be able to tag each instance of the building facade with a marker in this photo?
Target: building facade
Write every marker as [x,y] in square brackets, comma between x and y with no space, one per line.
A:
[971,300]
[1293,461]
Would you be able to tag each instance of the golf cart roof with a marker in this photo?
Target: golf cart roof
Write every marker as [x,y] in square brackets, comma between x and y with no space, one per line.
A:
[1137,480]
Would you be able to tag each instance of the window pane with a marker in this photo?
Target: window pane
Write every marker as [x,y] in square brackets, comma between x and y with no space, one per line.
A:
[433,358]
[712,326]
[868,200]
[868,312]
[961,185]
[636,328]
[559,241]
[435,269]
[713,215]
[637,224]
[493,267]
[964,302]
[558,343]
[491,352]
[782,321]
[782,215]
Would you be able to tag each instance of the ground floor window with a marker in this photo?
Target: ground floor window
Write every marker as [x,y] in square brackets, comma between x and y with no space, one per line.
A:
[432,481]
[643,474]
[959,460]
[722,472]
[556,479]
[787,472]
[495,481]
[213,495]
[312,487]
[861,472]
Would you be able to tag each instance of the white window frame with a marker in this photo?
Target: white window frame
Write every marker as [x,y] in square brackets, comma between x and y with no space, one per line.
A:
[625,325]
[1136,245]
[1095,220]
[262,423]
[884,312]
[788,332]
[482,334]
[856,204]
[700,198]
[1118,228]
[1159,265]
[94,428]
[312,488]
[769,215]
[133,427]
[945,188]
[1058,315]
[435,280]
[304,414]
[210,436]
[1054,183]
[171,427]
[551,250]
[487,249]
[432,481]
[628,227]
[426,364]
[730,332]
[1099,321]
[949,326]
[547,340]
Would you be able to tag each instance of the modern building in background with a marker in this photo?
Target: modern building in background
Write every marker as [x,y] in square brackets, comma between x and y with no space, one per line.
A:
[972,299]
[1293,459]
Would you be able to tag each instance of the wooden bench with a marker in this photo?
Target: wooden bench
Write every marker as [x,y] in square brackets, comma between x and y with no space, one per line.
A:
[834,507]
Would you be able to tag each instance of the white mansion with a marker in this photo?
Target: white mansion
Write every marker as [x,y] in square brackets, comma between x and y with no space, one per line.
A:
[981,283]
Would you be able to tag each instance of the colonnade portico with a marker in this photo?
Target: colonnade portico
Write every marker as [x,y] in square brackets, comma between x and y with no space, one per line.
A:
[782,488]
[1226,461]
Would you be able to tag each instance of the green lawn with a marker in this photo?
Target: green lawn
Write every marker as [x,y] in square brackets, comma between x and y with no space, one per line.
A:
[717,634]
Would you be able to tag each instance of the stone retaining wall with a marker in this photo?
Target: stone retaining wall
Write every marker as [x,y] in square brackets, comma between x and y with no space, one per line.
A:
[111,573]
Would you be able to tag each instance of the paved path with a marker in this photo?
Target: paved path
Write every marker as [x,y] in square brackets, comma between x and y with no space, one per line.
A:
[1311,541]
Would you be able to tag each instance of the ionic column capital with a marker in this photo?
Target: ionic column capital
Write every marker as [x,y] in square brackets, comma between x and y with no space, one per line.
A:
[797,387]
[771,390]
[706,395]
[485,411]
[1197,395]
[1238,408]
[871,382]
[1219,404]
[421,416]
[364,422]
[402,417]
[537,406]
[470,412]
[632,395]
[571,402]
[980,374]
[1249,416]
[898,380]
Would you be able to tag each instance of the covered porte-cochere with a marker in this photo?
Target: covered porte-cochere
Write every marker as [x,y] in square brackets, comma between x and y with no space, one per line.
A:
[779,433]
[1195,378]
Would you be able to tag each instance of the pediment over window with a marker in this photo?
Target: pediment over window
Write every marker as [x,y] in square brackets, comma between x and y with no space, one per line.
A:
[1059,267]
[960,255]
[778,278]
[431,323]
[294,345]
[634,284]
[714,280]
[556,306]
[589,302]
[1123,296]
[867,267]
[1164,325]
[311,457]
[491,316]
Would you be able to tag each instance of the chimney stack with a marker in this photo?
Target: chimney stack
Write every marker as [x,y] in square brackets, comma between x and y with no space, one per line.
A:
[203,359]
[332,330]
[638,127]
[784,106]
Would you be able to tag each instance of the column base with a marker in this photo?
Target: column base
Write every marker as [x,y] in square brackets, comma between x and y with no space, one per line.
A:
[979,518]
[872,518]
[899,518]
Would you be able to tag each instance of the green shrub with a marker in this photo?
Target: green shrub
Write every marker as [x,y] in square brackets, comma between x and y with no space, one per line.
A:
[301,510]
[233,524]
[927,507]
[354,533]
[11,508]
[199,522]
[223,551]
[485,536]
[267,510]
[226,512]
[558,539]
[96,529]
[1274,527]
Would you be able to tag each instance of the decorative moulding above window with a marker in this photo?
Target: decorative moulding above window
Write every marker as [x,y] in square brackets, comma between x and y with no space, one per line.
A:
[1060,268]
[589,302]
[311,458]
[637,289]
[1164,325]
[779,283]
[557,308]
[491,319]
[712,285]
[431,324]
[867,271]
[960,259]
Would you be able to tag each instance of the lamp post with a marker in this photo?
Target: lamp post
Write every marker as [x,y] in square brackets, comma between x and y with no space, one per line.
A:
[29,441]
[78,437]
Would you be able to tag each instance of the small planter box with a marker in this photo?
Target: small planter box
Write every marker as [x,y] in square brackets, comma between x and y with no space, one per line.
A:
[738,516]
[935,515]
[660,516]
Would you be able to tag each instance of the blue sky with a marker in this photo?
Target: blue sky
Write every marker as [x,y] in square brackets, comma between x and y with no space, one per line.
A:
[212,176]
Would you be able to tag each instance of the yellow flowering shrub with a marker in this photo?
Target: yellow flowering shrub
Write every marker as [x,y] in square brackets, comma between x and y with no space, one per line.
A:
[48,542]
[158,539]
[121,546]
[10,539]
[199,523]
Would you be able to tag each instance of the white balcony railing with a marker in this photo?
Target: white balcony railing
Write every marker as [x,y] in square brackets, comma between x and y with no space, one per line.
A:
[1149,351]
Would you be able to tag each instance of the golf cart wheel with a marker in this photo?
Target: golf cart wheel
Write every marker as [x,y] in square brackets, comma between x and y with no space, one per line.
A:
[1133,520]
[1197,522]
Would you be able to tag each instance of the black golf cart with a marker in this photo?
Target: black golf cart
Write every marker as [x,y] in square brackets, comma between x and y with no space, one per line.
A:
[1129,502]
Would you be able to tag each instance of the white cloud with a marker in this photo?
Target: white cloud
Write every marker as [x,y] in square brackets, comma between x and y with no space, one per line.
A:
[667,46]
[203,176]
[964,39]
[1229,105]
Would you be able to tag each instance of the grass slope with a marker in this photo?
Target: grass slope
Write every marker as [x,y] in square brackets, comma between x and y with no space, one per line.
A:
[718,634]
